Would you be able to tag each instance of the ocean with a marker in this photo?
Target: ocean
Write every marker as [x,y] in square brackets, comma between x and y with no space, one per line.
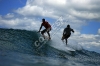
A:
[24,48]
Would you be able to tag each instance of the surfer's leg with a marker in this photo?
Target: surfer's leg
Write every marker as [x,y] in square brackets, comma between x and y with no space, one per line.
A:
[48,30]
[42,32]
[63,37]
[67,38]
[49,35]
[66,41]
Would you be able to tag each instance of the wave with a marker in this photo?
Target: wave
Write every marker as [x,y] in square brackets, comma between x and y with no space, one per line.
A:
[23,41]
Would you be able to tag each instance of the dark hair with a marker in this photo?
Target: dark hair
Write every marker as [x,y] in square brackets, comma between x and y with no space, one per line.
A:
[68,26]
[43,20]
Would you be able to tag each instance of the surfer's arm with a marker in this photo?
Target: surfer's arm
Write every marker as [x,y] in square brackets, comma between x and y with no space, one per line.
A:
[40,27]
[63,32]
[72,30]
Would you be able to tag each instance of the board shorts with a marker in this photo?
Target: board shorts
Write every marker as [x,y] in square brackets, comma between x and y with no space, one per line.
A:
[65,36]
[46,30]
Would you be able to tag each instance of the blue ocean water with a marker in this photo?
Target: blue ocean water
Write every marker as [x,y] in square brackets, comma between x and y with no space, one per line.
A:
[17,48]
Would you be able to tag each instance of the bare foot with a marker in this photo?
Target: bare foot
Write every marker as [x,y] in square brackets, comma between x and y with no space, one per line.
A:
[49,38]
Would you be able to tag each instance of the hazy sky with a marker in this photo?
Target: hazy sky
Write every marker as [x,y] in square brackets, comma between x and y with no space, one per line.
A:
[82,15]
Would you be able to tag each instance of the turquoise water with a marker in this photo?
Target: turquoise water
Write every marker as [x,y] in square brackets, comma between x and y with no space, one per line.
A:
[17,48]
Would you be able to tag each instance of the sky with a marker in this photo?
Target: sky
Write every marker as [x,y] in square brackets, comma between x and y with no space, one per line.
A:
[82,15]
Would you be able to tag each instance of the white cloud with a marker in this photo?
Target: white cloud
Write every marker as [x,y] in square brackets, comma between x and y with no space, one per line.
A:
[20,23]
[9,15]
[30,10]
[98,31]
[85,9]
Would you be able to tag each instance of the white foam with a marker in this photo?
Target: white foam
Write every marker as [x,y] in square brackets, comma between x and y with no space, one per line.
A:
[58,44]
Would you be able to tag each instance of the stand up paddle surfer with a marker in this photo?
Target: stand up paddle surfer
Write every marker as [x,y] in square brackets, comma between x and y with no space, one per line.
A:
[67,33]
[47,28]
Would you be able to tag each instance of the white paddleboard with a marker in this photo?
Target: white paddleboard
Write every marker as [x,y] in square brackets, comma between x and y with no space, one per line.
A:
[68,48]
[62,47]
[46,37]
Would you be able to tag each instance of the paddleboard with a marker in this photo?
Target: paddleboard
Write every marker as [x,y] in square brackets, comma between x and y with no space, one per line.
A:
[46,37]
[67,47]
[42,40]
